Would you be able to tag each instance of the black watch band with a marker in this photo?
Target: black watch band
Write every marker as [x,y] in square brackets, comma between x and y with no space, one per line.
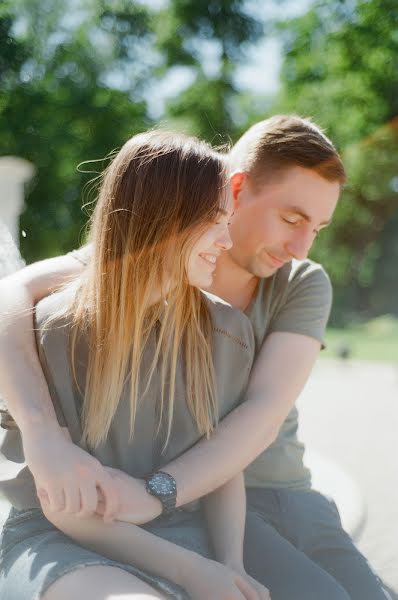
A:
[163,486]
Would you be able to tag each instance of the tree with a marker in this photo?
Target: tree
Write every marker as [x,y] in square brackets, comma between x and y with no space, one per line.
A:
[210,39]
[341,67]
[59,109]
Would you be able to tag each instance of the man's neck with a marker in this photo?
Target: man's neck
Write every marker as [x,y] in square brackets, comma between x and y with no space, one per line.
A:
[232,283]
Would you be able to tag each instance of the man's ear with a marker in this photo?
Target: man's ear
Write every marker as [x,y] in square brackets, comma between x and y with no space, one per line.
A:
[237,181]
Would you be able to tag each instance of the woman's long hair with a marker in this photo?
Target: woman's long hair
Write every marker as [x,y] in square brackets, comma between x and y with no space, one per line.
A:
[156,197]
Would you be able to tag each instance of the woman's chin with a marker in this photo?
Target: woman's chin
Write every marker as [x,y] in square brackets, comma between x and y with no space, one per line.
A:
[204,281]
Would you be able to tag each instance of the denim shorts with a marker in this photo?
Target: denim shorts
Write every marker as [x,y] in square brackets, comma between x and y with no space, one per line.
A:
[34,553]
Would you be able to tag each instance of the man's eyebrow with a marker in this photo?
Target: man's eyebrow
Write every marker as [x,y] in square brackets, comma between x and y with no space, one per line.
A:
[303,215]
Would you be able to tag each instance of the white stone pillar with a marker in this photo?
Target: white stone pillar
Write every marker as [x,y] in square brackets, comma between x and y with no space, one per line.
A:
[14,173]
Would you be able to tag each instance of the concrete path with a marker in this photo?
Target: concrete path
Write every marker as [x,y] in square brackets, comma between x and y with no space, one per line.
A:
[349,414]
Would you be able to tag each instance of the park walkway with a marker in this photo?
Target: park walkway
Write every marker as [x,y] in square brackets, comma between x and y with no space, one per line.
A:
[349,413]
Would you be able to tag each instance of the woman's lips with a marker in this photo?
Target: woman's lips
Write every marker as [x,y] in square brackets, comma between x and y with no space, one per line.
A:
[209,259]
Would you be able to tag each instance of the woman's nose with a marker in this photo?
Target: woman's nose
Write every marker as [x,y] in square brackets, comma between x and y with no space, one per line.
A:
[225,241]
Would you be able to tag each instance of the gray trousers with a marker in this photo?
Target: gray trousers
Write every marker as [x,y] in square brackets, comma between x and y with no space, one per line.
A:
[295,545]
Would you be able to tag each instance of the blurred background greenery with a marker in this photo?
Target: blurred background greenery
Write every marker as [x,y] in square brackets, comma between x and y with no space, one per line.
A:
[78,78]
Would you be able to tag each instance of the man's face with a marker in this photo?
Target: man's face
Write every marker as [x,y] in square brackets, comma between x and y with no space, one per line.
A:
[280,220]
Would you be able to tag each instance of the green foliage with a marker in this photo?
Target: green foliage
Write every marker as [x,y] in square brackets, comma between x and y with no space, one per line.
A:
[186,31]
[341,68]
[59,110]
[75,80]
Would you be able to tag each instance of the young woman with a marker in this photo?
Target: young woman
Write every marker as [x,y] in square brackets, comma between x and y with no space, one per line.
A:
[140,364]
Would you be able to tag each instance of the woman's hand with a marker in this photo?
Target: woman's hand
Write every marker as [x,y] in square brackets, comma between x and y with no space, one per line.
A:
[206,578]
[263,592]
[136,505]
[68,479]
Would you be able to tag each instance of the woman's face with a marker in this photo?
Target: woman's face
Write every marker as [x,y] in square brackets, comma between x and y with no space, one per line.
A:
[213,240]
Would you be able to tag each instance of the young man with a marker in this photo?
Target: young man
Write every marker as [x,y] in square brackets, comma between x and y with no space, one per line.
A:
[286,178]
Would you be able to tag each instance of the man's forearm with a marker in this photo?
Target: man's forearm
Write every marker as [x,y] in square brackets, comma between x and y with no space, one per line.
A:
[22,383]
[253,426]
[229,451]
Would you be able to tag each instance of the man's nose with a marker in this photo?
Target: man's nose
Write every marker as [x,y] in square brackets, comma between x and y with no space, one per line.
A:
[299,246]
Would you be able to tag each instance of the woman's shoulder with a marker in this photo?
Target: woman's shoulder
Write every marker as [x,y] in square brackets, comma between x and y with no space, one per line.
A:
[229,321]
[52,311]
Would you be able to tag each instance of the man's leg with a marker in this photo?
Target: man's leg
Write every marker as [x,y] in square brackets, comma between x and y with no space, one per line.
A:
[313,524]
[288,573]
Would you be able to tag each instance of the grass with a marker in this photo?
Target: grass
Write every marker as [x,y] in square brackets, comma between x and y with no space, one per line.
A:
[375,340]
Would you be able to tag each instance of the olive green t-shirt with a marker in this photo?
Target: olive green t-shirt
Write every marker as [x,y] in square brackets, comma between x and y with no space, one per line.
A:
[232,344]
[296,299]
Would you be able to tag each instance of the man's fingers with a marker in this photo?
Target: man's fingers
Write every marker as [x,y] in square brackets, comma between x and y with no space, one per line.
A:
[72,499]
[56,499]
[110,496]
[88,499]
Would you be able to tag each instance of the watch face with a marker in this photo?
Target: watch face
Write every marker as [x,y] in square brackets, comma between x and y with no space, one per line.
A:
[162,484]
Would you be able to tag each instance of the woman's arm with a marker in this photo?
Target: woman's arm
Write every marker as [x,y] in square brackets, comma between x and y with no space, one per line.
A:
[68,476]
[200,577]
[225,511]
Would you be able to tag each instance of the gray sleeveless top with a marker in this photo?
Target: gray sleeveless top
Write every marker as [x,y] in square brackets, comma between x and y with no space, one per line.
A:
[233,351]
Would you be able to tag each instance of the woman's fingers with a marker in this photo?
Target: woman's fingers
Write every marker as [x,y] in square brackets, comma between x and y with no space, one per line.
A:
[248,591]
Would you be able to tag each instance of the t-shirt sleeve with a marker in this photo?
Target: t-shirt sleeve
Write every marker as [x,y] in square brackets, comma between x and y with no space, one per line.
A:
[306,303]
[82,255]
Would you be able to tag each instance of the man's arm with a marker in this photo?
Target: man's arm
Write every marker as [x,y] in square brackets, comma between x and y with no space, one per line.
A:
[280,372]
[22,383]
[63,473]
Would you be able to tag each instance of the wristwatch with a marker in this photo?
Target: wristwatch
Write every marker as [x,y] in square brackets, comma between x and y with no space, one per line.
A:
[163,486]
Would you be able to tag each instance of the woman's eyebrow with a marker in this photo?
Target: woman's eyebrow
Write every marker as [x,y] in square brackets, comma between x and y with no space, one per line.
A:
[225,213]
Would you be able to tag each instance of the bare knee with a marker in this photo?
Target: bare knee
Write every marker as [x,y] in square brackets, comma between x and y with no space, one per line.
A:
[100,583]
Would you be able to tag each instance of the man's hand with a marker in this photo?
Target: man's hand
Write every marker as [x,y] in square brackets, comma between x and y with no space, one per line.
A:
[136,506]
[67,478]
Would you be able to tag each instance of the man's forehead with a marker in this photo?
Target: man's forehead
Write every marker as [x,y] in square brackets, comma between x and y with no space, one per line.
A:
[300,192]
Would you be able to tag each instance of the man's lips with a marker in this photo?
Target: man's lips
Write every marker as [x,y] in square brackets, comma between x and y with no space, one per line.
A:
[277,262]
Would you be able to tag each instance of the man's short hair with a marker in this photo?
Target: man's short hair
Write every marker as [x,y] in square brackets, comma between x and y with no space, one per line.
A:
[271,146]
